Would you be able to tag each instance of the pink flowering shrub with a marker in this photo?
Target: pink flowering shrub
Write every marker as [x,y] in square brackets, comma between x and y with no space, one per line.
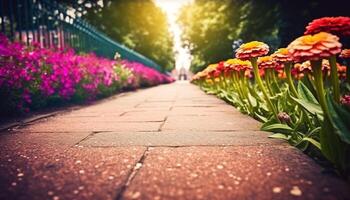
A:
[145,76]
[32,77]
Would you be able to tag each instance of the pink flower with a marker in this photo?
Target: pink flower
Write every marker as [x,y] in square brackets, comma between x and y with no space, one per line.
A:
[28,71]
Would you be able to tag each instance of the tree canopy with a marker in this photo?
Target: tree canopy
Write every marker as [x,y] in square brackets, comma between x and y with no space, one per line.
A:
[212,26]
[138,24]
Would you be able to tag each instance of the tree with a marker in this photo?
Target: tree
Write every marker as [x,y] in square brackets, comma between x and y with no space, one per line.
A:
[212,26]
[138,24]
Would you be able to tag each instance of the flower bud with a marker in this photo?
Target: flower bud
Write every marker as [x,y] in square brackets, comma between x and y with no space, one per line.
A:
[345,100]
[284,117]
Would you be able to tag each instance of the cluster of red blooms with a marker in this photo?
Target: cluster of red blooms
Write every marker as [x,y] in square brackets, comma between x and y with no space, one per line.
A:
[336,25]
[321,45]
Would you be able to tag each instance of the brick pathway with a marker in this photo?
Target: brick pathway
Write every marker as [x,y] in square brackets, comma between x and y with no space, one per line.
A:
[167,142]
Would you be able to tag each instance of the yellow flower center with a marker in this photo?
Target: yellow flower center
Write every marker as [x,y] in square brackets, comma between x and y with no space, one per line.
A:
[313,39]
[265,59]
[231,61]
[251,45]
[242,62]
[283,51]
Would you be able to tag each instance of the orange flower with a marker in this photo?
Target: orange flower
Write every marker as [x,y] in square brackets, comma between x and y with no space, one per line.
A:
[335,25]
[306,66]
[345,53]
[214,70]
[220,66]
[252,50]
[261,72]
[303,67]
[341,71]
[267,62]
[314,47]
[209,70]
[238,65]
[325,65]
[296,73]
[281,74]
[209,81]
[200,75]
[282,56]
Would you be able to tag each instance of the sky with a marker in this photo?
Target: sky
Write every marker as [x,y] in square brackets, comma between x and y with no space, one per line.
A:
[172,8]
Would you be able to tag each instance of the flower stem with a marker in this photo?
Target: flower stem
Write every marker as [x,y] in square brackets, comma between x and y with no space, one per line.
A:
[317,72]
[268,79]
[244,84]
[287,69]
[262,88]
[273,72]
[334,78]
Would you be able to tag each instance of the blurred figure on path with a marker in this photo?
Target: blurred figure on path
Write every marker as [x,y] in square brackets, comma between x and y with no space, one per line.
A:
[183,74]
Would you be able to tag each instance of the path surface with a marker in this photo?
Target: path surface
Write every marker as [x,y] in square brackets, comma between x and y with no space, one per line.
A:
[167,142]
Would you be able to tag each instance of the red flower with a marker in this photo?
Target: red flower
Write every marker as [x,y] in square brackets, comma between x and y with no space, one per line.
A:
[336,25]
[345,53]
[239,65]
[314,47]
[252,50]
[345,100]
[267,62]
[341,71]
[282,56]
[220,67]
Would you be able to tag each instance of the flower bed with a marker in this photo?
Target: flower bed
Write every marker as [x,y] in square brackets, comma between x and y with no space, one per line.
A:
[32,77]
[300,92]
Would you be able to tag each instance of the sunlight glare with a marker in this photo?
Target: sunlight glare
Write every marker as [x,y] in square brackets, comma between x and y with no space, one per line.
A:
[172,9]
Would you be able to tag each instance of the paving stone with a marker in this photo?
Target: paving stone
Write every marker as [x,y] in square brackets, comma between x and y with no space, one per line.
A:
[210,123]
[49,138]
[95,114]
[150,109]
[158,104]
[78,173]
[179,139]
[69,126]
[122,117]
[243,172]
[201,148]
[197,109]
[144,116]
[199,103]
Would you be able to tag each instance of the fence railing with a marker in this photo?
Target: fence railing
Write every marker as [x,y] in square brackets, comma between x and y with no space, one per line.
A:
[51,24]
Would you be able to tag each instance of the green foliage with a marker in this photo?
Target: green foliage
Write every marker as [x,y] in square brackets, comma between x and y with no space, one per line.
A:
[308,101]
[212,26]
[339,117]
[138,24]
[301,120]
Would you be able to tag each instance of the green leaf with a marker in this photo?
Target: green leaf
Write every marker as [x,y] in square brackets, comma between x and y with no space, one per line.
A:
[347,87]
[261,118]
[269,122]
[305,93]
[280,136]
[252,100]
[309,85]
[279,128]
[340,119]
[314,131]
[311,107]
[313,141]
[332,147]
[275,87]
[255,94]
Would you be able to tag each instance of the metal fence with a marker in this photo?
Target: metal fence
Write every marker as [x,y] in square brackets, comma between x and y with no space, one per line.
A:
[51,24]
